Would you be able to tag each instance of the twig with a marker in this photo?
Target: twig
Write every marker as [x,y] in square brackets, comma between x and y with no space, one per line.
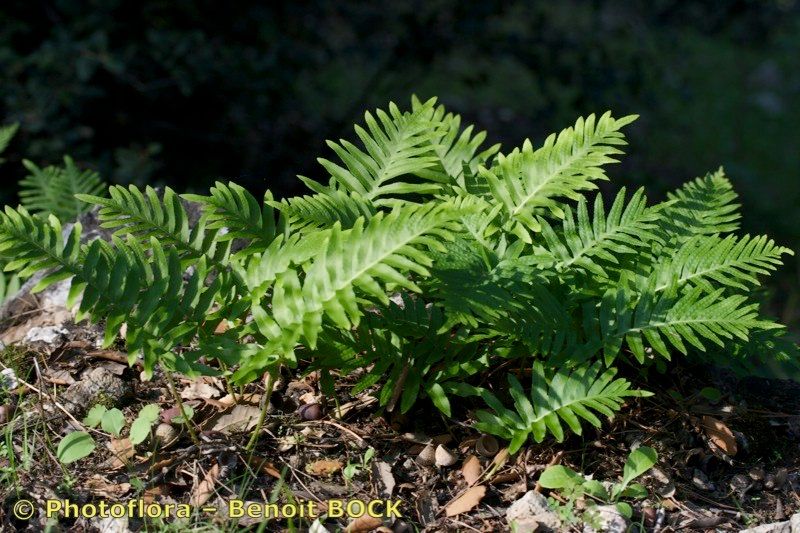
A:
[269,383]
[361,441]
[179,401]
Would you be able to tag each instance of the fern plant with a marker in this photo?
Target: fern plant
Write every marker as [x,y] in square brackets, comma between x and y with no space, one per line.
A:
[428,261]
[52,189]
[48,191]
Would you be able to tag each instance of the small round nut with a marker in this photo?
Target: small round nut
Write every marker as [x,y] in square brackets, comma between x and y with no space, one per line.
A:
[310,411]
[444,457]
[165,434]
[487,446]
[427,457]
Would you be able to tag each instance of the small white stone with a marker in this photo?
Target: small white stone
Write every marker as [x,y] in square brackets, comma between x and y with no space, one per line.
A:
[605,518]
[444,457]
[46,334]
[531,513]
[8,379]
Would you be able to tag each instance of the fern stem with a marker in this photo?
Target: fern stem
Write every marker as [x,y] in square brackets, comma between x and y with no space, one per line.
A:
[269,383]
[174,391]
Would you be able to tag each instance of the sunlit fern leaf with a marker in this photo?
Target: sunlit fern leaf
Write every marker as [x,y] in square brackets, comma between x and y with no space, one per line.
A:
[592,243]
[709,261]
[6,134]
[9,285]
[532,181]
[118,283]
[457,149]
[570,398]
[395,145]
[260,270]
[53,189]
[129,211]
[311,212]
[479,219]
[694,319]
[369,258]
[232,207]
[31,243]
[703,206]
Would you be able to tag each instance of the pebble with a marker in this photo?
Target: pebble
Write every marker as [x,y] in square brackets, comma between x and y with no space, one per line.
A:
[531,513]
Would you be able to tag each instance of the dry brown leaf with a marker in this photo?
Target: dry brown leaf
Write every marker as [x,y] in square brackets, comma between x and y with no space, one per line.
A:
[471,470]
[719,434]
[100,486]
[229,401]
[153,493]
[364,524]
[466,502]
[241,418]
[205,489]
[324,467]
[199,390]
[265,467]
[121,451]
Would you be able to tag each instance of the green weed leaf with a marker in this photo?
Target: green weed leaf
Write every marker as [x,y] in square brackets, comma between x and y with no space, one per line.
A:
[74,446]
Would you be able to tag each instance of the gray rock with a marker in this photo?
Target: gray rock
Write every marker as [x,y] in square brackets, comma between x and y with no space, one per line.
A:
[787,526]
[98,385]
[531,513]
[605,518]
[46,334]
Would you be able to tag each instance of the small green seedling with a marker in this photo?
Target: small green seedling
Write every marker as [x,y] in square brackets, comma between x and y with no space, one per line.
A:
[573,485]
[80,444]
[352,469]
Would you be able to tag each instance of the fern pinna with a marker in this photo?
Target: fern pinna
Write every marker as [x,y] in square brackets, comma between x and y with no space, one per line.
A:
[426,260]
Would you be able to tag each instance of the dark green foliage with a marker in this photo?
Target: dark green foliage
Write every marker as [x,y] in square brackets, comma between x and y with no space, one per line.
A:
[425,262]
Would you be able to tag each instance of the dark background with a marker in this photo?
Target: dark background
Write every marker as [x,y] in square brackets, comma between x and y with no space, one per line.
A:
[184,93]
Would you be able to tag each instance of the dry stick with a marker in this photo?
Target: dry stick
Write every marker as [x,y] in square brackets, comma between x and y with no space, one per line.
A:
[179,401]
[269,383]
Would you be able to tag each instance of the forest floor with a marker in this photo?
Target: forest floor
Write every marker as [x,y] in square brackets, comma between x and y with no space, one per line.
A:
[728,450]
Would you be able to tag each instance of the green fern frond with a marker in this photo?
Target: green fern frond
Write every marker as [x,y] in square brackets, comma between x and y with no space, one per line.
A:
[395,144]
[232,208]
[455,148]
[461,266]
[372,258]
[9,285]
[591,243]
[6,134]
[31,243]
[695,318]
[703,206]
[529,181]
[129,211]
[118,284]
[568,398]
[260,271]
[732,261]
[54,189]
[480,220]
[324,210]
[769,354]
